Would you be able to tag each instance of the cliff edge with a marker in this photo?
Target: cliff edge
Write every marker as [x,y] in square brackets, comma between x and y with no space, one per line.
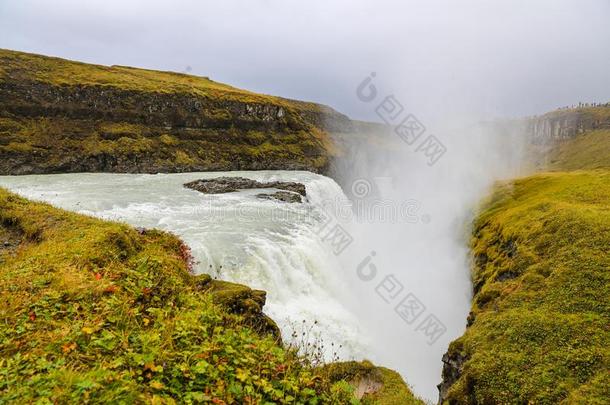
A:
[59,116]
[538,327]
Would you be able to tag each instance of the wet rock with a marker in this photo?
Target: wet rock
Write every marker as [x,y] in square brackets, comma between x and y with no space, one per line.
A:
[507,275]
[283,196]
[202,281]
[10,237]
[470,319]
[225,184]
[453,363]
[242,300]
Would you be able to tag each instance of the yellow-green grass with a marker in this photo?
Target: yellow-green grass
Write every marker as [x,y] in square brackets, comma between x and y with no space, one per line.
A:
[97,312]
[540,329]
[61,72]
[590,150]
[598,113]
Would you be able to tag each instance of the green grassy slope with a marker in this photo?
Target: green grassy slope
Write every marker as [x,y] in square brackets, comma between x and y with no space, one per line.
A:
[539,330]
[97,312]
[61,72]
[588,151]
[64,116]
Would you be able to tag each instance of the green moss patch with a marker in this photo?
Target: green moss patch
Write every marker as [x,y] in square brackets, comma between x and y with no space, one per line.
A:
[373,385]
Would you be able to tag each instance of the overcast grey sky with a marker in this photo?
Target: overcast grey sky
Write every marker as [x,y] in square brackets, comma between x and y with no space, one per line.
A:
[489,58]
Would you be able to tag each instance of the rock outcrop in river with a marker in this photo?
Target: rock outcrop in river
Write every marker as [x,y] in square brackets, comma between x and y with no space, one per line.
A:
[291,191]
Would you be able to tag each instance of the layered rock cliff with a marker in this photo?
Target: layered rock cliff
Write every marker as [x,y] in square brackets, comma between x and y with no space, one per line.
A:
[567,123]
[63,116]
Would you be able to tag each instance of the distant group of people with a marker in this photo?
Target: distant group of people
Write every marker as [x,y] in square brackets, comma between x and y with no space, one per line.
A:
[581,105]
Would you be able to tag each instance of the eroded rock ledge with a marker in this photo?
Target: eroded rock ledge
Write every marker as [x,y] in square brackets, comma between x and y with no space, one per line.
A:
[290,191]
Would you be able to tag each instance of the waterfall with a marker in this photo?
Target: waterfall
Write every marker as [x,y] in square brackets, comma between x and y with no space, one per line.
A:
[267,245]
[314,287]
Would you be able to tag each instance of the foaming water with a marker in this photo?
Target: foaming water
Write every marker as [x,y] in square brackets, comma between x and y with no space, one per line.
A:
[237,236]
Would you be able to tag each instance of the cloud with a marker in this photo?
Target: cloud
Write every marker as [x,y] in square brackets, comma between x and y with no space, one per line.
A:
[442,57]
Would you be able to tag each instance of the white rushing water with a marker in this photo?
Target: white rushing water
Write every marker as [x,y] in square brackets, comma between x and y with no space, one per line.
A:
[239,237]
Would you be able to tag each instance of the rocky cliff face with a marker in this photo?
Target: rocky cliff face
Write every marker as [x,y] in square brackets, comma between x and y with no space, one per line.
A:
[453,363]
[62,116]
[566,124]
[169,110]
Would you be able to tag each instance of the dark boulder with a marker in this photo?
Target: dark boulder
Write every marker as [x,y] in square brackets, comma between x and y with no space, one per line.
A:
[225,184]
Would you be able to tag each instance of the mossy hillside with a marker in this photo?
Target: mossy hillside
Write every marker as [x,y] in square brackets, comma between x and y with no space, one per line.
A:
[55,144]
[97,312]
[590,150]
[539,324]
[215,126]
[61,72]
